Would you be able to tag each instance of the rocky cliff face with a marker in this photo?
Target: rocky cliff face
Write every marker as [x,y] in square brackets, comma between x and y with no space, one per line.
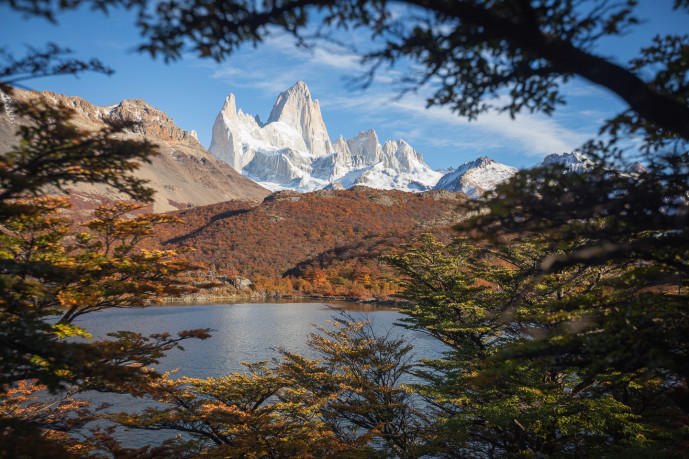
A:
[7,123]
[293,150]
[183,174]
[294,108]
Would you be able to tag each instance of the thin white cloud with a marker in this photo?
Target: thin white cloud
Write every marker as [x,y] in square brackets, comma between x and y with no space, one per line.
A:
[334,59]
[537,135]
[331,56]
[278,63]
[534,135]
[225,72]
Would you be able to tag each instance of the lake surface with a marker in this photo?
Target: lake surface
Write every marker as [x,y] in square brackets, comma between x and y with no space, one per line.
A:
[247,332]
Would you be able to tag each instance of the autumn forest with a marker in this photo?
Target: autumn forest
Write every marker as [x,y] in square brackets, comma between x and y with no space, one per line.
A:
[559,298]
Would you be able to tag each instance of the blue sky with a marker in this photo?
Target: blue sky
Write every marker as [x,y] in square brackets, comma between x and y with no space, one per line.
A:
[193,90]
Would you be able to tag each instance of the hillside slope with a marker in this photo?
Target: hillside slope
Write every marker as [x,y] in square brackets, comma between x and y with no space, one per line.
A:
[183,175]
[290,233]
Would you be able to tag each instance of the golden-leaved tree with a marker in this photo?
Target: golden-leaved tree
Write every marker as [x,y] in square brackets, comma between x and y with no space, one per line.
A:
[350,401]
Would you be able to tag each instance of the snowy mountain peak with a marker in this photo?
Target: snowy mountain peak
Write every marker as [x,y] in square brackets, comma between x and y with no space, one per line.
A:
[291,102]
[476,177]
[637,168]
[293,150]
[578,163]
[366,145]
[572,162]
[341,146]
[482,161]
[229,108]
[295,109]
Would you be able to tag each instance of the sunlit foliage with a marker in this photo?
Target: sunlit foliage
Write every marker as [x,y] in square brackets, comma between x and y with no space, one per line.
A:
[498,391]
[348,402]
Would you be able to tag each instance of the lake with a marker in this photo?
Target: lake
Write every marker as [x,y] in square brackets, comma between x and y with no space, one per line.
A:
[244,332]
[247,332]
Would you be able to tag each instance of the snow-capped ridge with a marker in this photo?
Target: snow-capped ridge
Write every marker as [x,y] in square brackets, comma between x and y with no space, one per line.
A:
[477,177]
[636,168]
[295,108]
[292,150]
[572,162]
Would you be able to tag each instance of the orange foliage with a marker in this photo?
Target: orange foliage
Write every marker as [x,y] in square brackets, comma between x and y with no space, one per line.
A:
[322,243]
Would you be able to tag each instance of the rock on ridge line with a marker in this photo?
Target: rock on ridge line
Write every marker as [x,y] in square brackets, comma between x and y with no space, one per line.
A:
[295,108]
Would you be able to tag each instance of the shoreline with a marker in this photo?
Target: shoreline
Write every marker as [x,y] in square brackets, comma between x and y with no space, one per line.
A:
[194,300]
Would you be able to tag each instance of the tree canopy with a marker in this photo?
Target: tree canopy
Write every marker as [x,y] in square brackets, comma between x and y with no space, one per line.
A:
[470,51]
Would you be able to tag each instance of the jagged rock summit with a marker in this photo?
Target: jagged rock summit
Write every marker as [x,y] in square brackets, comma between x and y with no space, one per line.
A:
[476,177]
[293,150]
[295,108]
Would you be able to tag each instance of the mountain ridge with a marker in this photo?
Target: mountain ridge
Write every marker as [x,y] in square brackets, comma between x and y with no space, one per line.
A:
[289,228]
[183,174]
[476,177]
[290,151]
[293,150]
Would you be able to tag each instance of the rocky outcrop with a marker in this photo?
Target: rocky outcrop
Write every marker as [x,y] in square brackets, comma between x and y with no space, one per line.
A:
[8,126]
[295,109]
[183,174]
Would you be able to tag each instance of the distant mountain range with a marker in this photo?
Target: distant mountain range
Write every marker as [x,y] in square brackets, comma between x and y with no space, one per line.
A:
[292,150]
